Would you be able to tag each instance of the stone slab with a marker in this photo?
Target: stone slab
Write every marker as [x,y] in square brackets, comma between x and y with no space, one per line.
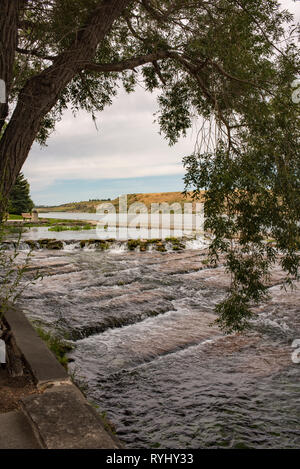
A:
[16,432]
[62,419]
[41,361]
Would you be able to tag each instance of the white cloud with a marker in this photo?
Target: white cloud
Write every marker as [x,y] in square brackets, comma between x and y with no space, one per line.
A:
[292,6]
[127,145]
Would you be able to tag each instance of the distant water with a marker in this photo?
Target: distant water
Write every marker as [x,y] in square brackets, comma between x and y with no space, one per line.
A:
[71,216]
[144,344]
[34,234]
[133,225]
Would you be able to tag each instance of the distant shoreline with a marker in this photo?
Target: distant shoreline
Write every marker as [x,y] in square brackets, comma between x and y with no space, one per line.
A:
[146,199]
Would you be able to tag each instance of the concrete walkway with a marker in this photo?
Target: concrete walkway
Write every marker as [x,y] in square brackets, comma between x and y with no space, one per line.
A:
[57,416]
[16,432]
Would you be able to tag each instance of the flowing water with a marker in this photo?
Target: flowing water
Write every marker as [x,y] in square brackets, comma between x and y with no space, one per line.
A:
[145,346]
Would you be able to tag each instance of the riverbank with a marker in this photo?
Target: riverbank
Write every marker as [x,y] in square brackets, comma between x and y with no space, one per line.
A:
[49,407]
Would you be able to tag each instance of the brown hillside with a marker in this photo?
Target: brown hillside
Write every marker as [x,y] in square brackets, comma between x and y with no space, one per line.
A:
[147,199]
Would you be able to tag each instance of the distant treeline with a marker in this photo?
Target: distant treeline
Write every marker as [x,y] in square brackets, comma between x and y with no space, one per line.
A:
[71,203]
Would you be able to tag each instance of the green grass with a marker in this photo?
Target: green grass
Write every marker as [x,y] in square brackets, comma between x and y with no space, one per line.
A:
[14,217]
[59,228]
[55,221]
[58,221]
[108,425]
[57,346]
[205,261]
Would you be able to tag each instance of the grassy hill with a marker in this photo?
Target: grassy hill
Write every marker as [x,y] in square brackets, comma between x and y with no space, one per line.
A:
[147,199]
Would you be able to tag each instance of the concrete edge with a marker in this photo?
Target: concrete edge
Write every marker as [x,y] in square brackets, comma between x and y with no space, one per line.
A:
[67,421]
[16,432]
[40,360]
[62,418]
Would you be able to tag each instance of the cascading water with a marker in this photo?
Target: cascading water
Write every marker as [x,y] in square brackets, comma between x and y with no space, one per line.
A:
[145,345]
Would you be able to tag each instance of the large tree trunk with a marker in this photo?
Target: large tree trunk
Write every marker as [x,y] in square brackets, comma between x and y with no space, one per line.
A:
[42,91]
[9,13]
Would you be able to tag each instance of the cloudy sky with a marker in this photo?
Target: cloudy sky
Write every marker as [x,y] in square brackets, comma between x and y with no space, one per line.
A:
[125,155]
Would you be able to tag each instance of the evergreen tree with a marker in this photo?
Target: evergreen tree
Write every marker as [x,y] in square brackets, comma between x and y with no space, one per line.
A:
[20,201]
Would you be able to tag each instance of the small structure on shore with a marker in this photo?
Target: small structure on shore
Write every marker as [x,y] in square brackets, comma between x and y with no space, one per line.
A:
[31,217]
[34,216]
[26,216]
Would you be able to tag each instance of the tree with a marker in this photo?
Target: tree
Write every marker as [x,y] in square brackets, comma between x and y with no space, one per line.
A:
[215,59]
[19,199]
[253,200]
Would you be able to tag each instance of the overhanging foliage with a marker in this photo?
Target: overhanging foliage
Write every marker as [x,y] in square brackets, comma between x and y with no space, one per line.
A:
[230,62]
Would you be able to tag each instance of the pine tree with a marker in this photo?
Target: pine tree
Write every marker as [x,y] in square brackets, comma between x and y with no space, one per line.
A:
[20,201]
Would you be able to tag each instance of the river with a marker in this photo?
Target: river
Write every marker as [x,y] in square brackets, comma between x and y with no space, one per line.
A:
[149,355]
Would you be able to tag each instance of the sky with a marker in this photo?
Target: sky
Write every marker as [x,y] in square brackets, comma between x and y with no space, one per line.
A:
[125,155]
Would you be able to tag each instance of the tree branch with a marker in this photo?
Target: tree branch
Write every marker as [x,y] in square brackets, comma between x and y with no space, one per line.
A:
[159,15]
[36,53]
[158,72]
[128,64]
[231,77]
[41,92]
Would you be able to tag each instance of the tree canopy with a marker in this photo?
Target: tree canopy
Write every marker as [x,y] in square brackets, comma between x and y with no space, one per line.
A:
[228,63]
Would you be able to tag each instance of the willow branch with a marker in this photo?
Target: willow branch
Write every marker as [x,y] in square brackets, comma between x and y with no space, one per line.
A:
[128,64]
